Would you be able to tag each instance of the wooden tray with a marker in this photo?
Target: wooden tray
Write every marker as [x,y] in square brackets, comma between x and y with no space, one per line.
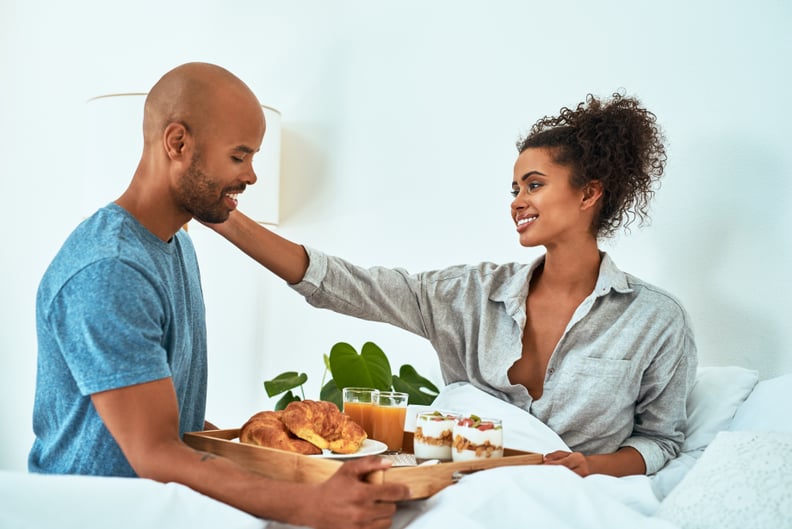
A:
[288,466]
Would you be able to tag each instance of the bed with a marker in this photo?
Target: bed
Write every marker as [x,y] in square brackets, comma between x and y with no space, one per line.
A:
[735,470]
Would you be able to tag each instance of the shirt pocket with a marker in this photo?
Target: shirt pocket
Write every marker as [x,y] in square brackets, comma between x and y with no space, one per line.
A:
[605,368]
[601,389]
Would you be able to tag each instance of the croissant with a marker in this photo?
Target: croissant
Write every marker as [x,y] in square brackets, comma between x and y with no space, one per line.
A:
[322,424]
[267,429]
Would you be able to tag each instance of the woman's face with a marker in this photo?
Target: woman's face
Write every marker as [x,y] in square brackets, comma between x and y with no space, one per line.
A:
[547,210]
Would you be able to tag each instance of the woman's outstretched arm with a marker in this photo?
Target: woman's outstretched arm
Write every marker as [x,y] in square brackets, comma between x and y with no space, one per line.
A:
[280,256]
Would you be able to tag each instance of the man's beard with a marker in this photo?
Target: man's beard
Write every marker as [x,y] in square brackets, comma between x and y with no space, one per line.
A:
[202,197]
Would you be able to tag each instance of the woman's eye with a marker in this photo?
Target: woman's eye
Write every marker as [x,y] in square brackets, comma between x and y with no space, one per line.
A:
[237,159]
[530,187]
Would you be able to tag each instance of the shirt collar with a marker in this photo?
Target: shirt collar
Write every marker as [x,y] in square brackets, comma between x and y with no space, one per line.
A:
[514,289]
[610,278]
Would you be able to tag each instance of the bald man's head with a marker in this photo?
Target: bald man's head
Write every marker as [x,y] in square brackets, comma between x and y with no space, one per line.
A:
[193,94]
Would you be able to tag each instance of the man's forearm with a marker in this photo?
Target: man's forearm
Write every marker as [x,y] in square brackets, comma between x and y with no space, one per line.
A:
[228,482]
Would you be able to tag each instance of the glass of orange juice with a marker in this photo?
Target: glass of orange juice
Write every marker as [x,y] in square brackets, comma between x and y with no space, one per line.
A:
[388,419]
[359,404]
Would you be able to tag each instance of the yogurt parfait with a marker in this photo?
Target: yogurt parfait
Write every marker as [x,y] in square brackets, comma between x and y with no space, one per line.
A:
[433,435]
[477,438]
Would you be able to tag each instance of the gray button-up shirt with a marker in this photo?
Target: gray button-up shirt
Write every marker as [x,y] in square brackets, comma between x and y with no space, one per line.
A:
[619,376]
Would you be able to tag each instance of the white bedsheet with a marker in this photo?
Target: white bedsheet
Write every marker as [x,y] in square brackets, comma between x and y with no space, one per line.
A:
[549,497]
[35,501]
[534,496]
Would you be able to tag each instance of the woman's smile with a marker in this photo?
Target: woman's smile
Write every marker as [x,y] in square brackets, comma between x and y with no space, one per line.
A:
[524,221]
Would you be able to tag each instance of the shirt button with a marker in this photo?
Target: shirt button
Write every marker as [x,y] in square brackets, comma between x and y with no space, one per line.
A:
[551,371]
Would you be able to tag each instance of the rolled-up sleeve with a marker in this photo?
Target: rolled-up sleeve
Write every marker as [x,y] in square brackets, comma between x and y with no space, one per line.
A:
[317,269]
[660,412]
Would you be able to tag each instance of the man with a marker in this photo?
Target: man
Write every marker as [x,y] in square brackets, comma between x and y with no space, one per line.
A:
[121,324]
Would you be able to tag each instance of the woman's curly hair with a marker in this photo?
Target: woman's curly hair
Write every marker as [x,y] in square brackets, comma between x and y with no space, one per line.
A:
[616,142]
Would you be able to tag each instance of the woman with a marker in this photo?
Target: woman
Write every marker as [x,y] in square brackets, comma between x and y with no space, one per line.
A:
[603,358]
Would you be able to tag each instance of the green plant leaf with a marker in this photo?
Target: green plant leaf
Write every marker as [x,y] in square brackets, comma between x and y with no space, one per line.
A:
[284,382]
[285,400]
[331,393]
[420,389]
[378,365]
[370,369]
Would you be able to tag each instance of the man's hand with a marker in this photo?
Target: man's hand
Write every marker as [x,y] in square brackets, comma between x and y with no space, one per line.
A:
[346,501]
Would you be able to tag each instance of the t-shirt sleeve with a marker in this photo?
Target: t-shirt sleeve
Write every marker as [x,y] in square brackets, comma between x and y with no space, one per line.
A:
[109,321]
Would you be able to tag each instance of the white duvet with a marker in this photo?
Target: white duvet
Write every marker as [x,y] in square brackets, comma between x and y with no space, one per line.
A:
[531,496]
[547,497]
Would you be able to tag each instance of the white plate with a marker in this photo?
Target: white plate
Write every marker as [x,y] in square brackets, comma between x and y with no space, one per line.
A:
[370,447]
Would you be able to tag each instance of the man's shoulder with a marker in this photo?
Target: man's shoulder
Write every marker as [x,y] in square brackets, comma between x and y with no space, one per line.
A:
[94,239]
[102,240]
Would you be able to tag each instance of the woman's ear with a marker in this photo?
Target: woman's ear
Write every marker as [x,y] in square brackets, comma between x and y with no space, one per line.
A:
[592,192]
[175,140]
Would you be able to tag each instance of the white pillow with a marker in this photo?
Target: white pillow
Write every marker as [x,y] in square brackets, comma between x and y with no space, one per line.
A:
[712,403]
[767,408]
[743,479]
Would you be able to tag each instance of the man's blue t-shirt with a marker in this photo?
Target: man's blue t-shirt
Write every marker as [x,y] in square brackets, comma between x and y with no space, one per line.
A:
[116,307]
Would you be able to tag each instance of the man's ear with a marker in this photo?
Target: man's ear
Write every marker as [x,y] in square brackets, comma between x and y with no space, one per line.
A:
[175,140]
[592,192]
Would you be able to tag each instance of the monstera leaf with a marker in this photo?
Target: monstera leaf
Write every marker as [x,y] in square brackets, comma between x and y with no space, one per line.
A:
[284,382]
[285,400]
[420,390]
[369,369]
[331,393]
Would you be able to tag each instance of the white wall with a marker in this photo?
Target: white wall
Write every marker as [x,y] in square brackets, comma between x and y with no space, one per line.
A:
[399,124]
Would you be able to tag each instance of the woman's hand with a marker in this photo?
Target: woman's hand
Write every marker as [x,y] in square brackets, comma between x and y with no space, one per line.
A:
[625,461]
[574,461]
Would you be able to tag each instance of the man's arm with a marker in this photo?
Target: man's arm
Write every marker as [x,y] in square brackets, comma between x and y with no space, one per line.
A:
[144,421]
[282,257]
